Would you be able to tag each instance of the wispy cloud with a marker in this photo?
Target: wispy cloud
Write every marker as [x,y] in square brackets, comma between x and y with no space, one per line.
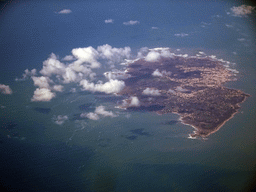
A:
[65,11]
[60,119]
[109,21]
[154,28]
[131,22]
[181,34]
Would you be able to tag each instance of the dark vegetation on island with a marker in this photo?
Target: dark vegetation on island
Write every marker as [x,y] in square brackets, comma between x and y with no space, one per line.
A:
[191,87]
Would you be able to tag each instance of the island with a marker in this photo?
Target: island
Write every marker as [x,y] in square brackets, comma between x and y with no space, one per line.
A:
[190,86]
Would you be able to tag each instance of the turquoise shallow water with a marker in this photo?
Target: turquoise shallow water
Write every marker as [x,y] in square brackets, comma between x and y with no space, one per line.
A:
[135,151]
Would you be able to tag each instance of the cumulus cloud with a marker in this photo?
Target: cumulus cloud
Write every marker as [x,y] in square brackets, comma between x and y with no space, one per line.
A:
[113,54]
[181,34]
[101,111]
[132,101]
[65,11]
[142,52]
[152,56]
[109,21]
[116,75]
[68,58]
[112,86]
[242,10]
[5,89]
[60,119]
[78,67]
[42,82]
[157,73]
[91,115]
[52,66]
[156,53]
[43,94]
[27,74]
[58,88]
[72,72]
[151,91]
[131,22]
[87,55]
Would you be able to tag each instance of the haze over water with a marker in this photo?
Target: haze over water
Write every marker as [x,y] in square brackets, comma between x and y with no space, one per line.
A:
[127,151]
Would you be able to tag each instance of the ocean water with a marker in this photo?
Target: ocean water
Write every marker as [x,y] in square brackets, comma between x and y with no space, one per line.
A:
[135,151]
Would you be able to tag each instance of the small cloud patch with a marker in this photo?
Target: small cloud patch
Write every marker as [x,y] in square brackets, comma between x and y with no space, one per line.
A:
[151,91]
[109,21]
[131,22]
[100,110]
[180,34]
[60,119]
[242,10]
[5,89]
[65,11]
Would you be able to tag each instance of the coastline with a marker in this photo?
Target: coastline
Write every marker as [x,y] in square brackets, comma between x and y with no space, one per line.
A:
[195,132]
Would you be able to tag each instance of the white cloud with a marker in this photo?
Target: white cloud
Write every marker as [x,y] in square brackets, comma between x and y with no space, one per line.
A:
[91,115]
[114,54]
[87,55]
[58,88]
[109,21]
[65,11]
[101,111]
[42,94]
[69,75]
[152,56]
[72,72]
[131,22]
[68,58]
[132,101]
[5,89]
[181,34]
[142,52]
[154,27]
[27,74]
[242,10]
[80,66]
[151,91]
[116,75]
[60,119]
[52,66]
[156,53]
[112,86]
[157,73]
[42,82]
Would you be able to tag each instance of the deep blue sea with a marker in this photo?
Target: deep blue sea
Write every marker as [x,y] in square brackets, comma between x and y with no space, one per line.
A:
[133,151]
